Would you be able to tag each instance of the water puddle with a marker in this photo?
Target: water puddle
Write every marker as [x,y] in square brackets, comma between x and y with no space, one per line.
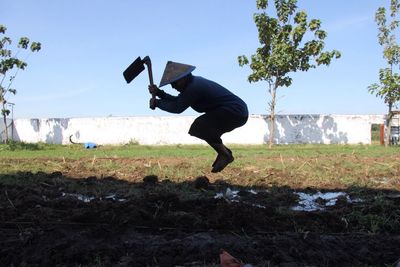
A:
[232,194]
[307,201]
[229,194]
[88,199]
[113,197]
[318,201]
[80,197]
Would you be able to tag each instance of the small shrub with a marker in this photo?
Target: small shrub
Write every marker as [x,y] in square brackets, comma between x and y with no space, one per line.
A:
[15,145]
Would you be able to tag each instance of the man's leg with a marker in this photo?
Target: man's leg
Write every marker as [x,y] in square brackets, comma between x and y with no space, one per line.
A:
[216,159]
[209,127]
[224,156]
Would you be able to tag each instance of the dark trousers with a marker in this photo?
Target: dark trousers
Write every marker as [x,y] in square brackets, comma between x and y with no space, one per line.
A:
[211,125]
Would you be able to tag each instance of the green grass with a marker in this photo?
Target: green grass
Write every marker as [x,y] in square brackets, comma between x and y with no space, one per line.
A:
[311,165]
[25,150]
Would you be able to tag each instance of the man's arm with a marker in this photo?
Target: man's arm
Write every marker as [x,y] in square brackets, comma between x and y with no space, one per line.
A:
[167,102]
[160,93]
[176,105]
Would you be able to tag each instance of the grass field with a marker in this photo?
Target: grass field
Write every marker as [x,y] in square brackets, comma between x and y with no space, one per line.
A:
[295,165]
[136,205]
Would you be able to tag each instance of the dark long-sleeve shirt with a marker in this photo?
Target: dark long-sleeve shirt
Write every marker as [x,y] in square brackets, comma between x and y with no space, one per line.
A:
[203,96]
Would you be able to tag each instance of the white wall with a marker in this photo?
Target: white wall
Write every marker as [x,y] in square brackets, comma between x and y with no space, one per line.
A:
[152,130]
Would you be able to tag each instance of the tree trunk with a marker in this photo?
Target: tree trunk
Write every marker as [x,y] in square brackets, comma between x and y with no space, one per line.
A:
[388,125]
[272,116]
[5,127]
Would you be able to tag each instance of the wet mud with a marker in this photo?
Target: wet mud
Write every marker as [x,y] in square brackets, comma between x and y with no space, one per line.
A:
[65,221]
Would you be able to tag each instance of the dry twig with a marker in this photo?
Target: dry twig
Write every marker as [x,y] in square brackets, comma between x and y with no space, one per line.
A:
[9,200]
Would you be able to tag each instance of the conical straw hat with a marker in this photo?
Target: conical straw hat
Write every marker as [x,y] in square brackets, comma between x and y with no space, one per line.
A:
[174,71]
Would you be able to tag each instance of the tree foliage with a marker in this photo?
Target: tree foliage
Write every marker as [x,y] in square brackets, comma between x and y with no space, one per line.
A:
[10,63]
[388,87]
[284,49]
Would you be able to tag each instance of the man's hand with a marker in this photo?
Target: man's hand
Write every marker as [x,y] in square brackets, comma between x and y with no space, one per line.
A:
[153,89]
[153,103]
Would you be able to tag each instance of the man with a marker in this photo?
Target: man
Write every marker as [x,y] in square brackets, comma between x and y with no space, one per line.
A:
[223,111]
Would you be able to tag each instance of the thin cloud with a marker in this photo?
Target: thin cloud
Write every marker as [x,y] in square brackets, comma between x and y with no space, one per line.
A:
[349,23]
[55,97]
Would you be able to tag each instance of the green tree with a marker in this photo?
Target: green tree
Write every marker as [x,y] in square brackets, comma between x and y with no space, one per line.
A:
[283,50]
[10,64]
[388,87]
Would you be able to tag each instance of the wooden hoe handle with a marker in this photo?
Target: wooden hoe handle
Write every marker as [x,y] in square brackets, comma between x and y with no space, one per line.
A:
[146,60]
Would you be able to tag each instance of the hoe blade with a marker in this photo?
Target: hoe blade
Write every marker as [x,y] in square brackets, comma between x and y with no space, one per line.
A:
[133,70]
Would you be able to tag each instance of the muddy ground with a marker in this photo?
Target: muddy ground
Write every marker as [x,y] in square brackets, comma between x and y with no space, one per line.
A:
[60,220]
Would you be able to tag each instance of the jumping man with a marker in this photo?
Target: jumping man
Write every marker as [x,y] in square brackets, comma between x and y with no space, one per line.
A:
[223,111]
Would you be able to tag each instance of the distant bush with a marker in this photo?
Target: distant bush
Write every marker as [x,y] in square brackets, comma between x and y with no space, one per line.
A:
[15,145]
[375,130]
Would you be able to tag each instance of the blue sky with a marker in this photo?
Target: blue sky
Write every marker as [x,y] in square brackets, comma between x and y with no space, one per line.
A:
[86,45]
